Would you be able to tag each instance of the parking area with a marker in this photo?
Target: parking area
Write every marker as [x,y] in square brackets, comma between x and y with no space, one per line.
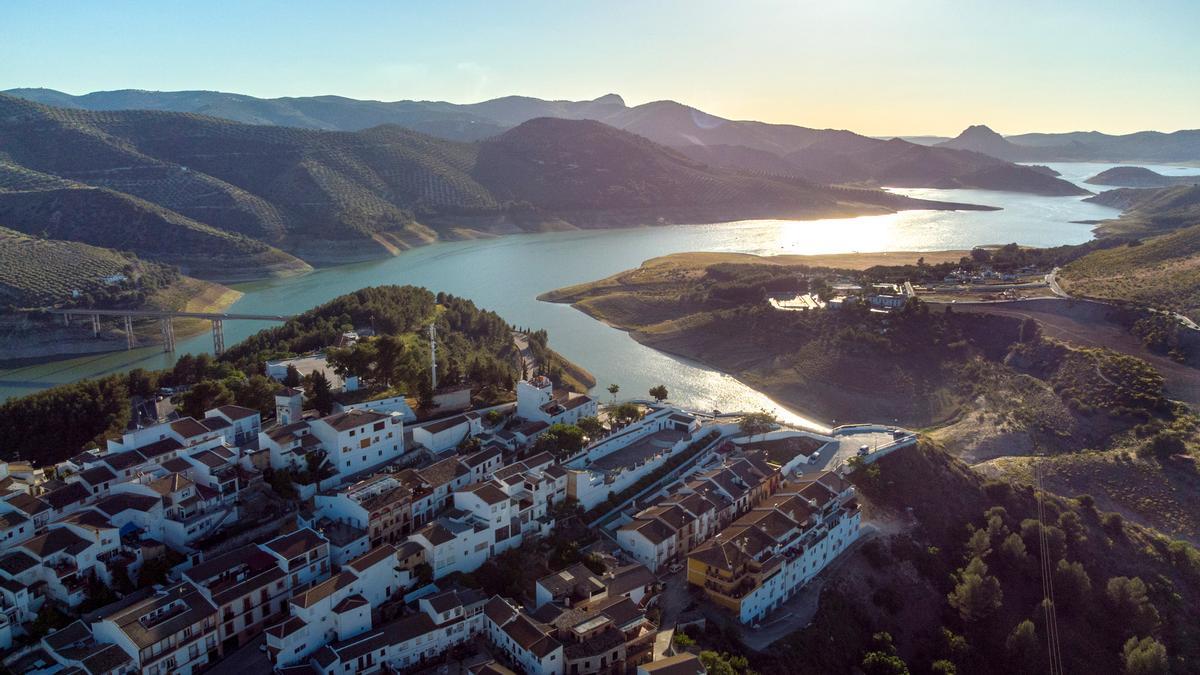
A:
[833,455]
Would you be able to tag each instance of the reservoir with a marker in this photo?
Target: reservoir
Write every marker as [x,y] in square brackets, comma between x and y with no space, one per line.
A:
[506,274]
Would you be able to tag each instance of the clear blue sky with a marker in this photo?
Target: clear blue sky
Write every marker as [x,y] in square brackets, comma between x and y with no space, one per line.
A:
[885,67]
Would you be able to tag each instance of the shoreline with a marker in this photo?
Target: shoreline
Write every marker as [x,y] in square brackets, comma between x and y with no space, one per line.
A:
[51,342]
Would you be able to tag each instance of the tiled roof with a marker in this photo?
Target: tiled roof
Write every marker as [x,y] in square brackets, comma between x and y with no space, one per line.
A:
[372,557]
[97,475]
[163,447]
[28,504]
[58,539]
[65,496]
[120,461]
[353,419]
[324,589]
[195,610]
[291,545]
[170,483]
[188,427]
[124,501]
[237,412]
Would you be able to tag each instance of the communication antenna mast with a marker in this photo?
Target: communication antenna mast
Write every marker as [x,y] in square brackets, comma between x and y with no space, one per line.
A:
[433,356]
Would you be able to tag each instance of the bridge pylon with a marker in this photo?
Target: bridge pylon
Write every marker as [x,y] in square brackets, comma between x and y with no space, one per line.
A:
[130,339]
[168,334]
[218,330]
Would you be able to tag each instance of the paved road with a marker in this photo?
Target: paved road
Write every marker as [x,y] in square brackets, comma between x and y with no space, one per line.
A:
[1052,282]
[521,341]
[832,455]
[244,661]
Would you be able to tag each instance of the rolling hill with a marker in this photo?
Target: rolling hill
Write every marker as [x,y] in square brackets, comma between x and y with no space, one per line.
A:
[1162,271]
[216,196]
[1139,177]
[1081,146]
[1148,211]
[820,155]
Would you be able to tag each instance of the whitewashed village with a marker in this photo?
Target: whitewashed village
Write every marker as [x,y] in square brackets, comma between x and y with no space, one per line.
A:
[352,542]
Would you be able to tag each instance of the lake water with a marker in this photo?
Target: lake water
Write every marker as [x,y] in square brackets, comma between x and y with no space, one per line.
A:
[507,274]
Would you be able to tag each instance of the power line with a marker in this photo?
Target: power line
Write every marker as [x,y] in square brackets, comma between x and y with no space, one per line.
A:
[1052,642]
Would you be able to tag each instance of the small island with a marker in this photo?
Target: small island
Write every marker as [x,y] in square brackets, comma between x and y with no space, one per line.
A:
[1139,177]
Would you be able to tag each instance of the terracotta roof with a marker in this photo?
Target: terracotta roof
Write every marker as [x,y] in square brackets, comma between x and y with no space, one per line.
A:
[188,427]
[209,459]
[443,425]
[353,419]
[680,664]
[482,457]
[294,544]
[436,533]
[28,504]
[170,483]
[88,519]
[58,539]
[215,423]
[324,589]
[350,603]
[124,460]
[499,611]
[165,446]
[530,636]
[195,609]
[654,531]
[65,496]
[626,579]
[372,557]
[443,602]
[97,475]
[125,501]
[287,433]
[443,472]
[489,493]
[237,412]
[177,465]
[12,519]
[16,562]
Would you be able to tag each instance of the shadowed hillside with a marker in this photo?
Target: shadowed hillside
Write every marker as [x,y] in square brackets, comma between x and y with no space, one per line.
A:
[205,193]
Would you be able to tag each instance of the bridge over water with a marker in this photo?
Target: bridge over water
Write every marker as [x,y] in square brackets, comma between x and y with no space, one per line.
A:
[218,320]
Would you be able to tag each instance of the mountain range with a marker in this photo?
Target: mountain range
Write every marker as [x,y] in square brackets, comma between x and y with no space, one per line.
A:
[1080,146]
[818,155]
[227,200]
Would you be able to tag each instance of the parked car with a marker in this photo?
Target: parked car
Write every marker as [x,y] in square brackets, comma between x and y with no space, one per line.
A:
[674,568]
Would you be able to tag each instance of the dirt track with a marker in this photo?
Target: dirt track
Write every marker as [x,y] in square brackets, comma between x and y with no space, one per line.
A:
[1086,323]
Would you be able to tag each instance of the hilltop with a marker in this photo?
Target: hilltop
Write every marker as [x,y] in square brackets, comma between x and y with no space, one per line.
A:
[980,138]
[1081,146]
[46,272]
[820,155]
[220,198]
[1139,177]
[1148,211]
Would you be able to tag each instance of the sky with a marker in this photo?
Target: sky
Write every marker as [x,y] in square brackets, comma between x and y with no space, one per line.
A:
[887,67]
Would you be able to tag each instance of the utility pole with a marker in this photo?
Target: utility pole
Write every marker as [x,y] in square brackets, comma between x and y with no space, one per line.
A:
[433,356]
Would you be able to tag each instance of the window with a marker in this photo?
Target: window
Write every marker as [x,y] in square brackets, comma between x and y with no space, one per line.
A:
[378,426]
[364,443]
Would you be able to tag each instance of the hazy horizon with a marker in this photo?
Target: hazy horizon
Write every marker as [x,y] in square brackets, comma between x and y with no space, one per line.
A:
[881,69]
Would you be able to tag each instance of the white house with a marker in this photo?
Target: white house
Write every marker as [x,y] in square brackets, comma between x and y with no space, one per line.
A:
[447,433]
[171,631]
[358,440]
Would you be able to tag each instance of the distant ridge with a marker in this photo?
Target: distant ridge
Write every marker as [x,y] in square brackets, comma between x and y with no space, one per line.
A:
[224,200]
[820,155]
[1080,146]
